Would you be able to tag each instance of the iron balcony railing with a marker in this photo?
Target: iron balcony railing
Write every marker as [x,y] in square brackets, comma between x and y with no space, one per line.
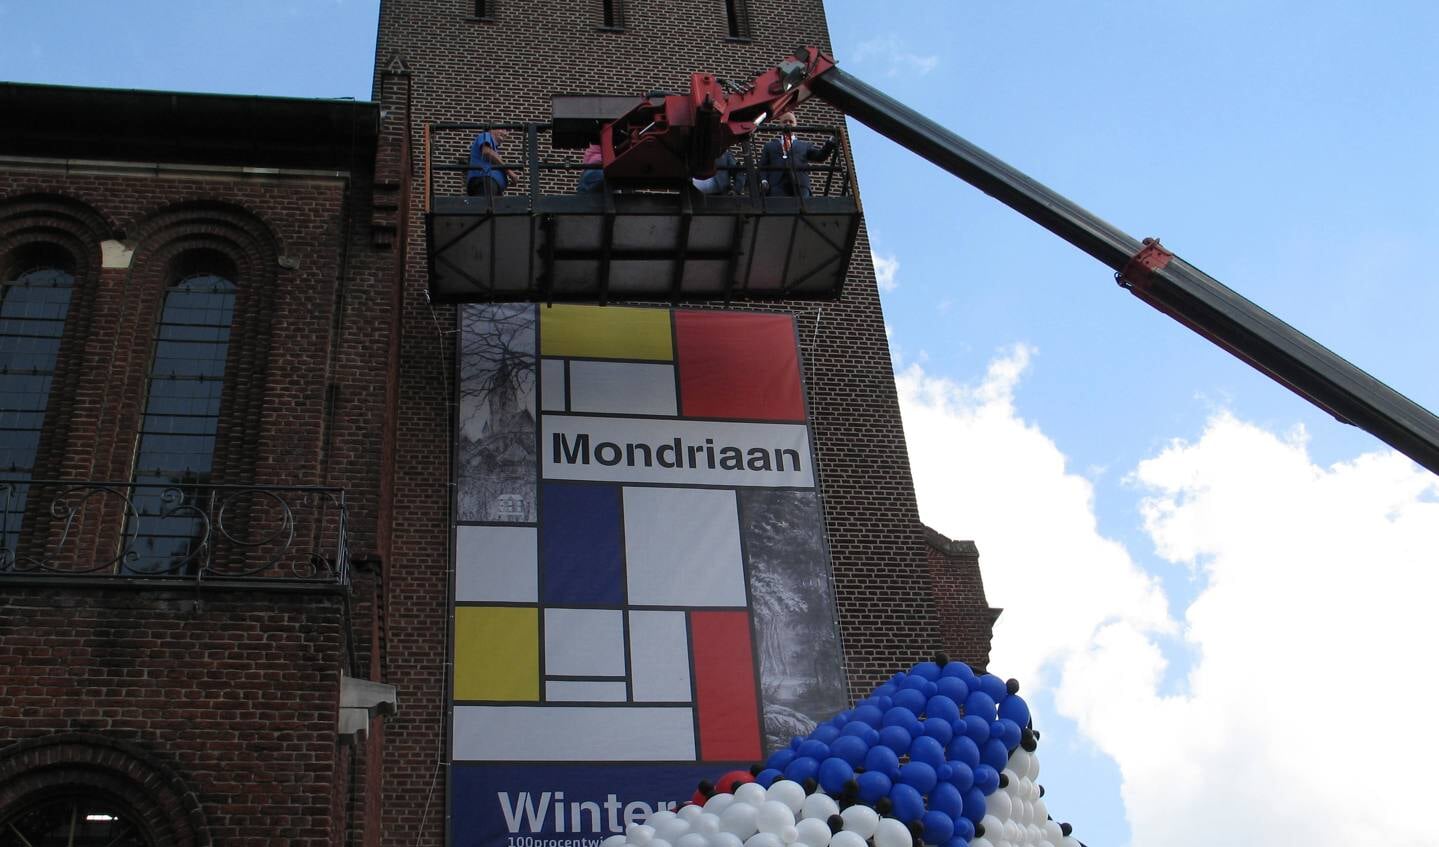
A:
[173,530]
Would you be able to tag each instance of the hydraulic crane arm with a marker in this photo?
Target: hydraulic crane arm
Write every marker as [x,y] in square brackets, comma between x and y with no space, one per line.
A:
[1147,270]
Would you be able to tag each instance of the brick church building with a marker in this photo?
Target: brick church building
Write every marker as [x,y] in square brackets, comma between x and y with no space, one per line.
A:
[235,567]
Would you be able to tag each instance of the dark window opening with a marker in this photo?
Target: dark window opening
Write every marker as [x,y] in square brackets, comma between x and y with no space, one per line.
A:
[34,302]
[73,821]
[737,16]
[182,416]
[485,9]
[613,14]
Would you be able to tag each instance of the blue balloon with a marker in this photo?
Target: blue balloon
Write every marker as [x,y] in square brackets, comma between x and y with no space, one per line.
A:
[910,699]
[873,785]
[767,776]
[929,689]
[870,714]
[825,733]
[938,827]
[1008,731]
[898,716]
[939,730]
[884,701]
[963,830]
[850,748]
[986,779]
[795,742]
[925,670]
[883,760]
[817,750]
[952,687]
[976,728]
[974,805]
[963,749]
[1014,708]
[942,707]
[884,690]
[863,731]
[908,804]
[896,738]
[779,758]
[994,753]
[801,768]
[993,686]
[978,704]
[927,750]
[959,670]
[961,775]
[834,772]
[918,776]
[946,798]
[944,772]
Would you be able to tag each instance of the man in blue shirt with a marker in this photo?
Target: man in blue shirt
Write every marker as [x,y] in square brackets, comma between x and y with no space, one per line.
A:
[486,175]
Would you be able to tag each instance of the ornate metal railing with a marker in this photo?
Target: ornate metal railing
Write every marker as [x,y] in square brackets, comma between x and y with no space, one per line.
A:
[160,529]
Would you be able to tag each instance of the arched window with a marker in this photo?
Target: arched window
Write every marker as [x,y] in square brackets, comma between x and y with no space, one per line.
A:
[182,413]
[34,301]
[72,820]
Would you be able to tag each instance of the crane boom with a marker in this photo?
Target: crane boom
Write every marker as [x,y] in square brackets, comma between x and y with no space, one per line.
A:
[1145,268]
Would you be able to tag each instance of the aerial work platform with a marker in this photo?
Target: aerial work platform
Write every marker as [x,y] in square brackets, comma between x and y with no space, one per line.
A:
[543,242]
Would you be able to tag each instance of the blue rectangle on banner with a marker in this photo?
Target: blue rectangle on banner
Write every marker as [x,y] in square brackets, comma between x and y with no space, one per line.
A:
[564,805]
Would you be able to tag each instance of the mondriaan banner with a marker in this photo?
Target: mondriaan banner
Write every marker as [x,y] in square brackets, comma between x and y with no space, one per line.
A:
[642,590]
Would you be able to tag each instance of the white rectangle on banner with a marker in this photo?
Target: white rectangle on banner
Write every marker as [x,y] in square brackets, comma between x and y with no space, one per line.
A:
[574,733]
[623,388]
[682,452]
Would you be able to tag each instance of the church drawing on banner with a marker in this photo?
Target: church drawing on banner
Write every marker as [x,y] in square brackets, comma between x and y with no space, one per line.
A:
[315,535]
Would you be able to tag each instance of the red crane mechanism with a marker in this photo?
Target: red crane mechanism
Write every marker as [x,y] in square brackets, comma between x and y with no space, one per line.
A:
[675,136]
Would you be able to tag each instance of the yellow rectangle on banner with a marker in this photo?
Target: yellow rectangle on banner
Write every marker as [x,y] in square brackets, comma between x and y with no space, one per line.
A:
[497,653]
[606,332]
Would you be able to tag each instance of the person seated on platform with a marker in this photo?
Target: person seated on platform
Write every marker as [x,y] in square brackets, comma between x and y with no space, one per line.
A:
[784,161]
[593,177]
[727,175]
[487,176]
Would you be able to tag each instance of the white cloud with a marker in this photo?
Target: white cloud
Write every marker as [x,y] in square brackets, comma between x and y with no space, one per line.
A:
[1303,718]
[885,268]
[894,57]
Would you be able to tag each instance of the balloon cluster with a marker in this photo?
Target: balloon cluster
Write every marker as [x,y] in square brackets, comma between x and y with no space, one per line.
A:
[936,756]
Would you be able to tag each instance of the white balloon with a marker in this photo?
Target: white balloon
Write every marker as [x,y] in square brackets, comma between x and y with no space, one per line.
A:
[689,813]
[981,841]
[773,816]
[1019,762]
[892,833]
[707,823]
[1041,814]
[1033,766]
[1069,841]
[861,820]
[999,804]
[788,792]
[763,839]
[738,818]
[659,816]
[813,832]
[692,839]
[725,839]
[660,842]
[993,826]
[639,834]
[789,834]
[614,841]
[1052,832]
[718,802]
[670,829]
[818,805]
[845,838]
[751,793]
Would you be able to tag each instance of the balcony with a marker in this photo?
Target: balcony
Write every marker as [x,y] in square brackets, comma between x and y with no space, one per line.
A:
[542,242]
[173,532]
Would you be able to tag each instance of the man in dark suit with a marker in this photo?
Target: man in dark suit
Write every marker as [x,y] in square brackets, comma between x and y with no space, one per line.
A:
[784,161]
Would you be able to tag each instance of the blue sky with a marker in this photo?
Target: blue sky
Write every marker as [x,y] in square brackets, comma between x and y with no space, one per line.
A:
[1191,559]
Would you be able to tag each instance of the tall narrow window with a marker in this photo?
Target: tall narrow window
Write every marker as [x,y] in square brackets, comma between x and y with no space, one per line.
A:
[485,9]
[34,301]
[737,15]
[182,413]
[612,14]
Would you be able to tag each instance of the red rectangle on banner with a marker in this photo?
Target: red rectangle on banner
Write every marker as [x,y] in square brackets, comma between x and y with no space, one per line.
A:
[734,365]
[725,696]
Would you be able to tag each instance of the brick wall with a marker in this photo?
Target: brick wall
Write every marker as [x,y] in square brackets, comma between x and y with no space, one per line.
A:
[461,68]
[234,692]
[966,620]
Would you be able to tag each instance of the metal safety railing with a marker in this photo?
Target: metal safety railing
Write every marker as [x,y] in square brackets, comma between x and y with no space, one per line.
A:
[535,168]
[175,530]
